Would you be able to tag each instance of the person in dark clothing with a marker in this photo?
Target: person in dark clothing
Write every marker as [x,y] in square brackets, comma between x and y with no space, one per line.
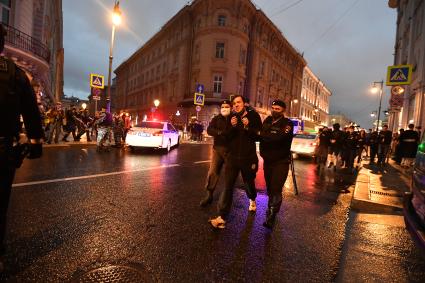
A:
[16,98]
[71,124]
[323,147]
[361,145]
[218,129]
[244,132]
[336,144]
[384,144]
[398,152]
[351,143]
[275,148]
[373,144]
[409,146]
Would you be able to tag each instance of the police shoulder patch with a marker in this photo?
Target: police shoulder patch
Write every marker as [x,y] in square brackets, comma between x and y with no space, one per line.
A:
[3,65]
[288,129]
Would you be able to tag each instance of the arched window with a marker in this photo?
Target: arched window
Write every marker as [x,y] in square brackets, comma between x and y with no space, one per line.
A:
[221,21]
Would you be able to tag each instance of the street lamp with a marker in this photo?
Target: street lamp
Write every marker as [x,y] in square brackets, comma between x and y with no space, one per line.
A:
[374,90]
[116,21]
[84,106]
[156,103]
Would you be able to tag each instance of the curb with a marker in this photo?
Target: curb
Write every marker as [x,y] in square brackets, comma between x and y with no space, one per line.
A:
[361,197]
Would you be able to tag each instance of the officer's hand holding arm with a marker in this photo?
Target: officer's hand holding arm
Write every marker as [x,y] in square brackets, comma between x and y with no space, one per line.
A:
[212,129]
[234,121]
[253,127]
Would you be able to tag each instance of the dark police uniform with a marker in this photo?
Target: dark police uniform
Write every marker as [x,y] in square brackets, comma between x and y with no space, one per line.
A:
[242,158]
[385,138]
[275,148]
[16,98]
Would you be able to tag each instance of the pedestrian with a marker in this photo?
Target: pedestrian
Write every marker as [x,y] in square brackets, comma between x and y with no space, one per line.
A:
[398,151]
[323,147]
[275,148]
[127,125]
[351,148]
[242,158]
[373,144]
[118,130]
[361,146]
[335,148]
[218,128]
[409,146]
[384,144]
[71,124]
[16,98]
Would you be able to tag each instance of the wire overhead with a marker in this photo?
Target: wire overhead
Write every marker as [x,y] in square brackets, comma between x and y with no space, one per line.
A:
[286,8]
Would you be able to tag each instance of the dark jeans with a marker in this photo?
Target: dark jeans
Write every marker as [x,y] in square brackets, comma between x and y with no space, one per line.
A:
[383,150]
[275,174]
[351,154]
[373,152]
[217,162]
[248,170]
[7,173]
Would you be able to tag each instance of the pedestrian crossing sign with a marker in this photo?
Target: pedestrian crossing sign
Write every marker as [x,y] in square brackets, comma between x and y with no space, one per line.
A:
[97,81]
[399,75]
[199,99]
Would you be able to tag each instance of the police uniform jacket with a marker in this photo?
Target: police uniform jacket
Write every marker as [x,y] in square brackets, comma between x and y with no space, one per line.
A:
[219,128]
[241,139]
[351,140]
[385,137]
[17,97]
[276,139]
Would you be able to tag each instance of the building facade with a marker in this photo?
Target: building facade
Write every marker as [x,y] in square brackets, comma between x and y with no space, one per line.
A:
[313,104]
[35,42]
[230,47]
[410,49]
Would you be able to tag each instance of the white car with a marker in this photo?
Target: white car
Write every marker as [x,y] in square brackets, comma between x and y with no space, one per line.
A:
[152,134]
[304,144]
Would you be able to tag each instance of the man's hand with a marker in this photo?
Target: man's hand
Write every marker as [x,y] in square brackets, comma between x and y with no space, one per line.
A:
[234,121]
[35,150]
[245,121]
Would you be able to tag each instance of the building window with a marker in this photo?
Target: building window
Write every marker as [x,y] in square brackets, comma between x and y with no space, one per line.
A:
[221,20]
[242,56]
[4,11]
[218,84]
[219,50]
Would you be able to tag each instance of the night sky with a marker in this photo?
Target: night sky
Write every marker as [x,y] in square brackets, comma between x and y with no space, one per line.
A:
[347,43]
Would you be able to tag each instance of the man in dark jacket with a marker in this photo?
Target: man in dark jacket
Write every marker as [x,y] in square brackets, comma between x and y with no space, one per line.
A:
[384,144]
[409,141]
[244,132]
[323,148]
[275,148]
[218,128]
[336,144]
[351,142]
[16,98]
[373,145]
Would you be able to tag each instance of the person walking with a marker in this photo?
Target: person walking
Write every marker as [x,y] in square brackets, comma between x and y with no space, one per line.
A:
[218,129]
[275,148]
[361,146]
[335,148]
[242,157]
[351,148]
[409,140]
[384,144]
[373,144]
[323,147]
[16,98]
[104,124]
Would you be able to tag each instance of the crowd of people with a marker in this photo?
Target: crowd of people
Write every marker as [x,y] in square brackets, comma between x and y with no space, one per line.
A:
[344,148]
[59,124]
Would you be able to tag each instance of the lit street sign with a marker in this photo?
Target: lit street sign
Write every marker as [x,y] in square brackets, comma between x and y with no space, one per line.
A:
[199,99]
[399,75]
[200,88]
[97,81]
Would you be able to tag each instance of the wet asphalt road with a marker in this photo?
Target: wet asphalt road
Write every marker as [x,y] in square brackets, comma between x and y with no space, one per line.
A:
[141,209]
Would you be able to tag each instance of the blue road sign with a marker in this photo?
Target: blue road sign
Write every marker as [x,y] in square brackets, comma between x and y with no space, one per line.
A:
[200,88]
[399,75]
[199,99]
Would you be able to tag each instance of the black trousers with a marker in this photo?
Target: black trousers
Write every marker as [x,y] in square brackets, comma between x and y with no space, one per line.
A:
[7,173]
[232,167]
[275,174]
[373,152]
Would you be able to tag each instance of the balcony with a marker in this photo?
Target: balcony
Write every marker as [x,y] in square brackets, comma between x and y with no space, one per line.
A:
[25,42]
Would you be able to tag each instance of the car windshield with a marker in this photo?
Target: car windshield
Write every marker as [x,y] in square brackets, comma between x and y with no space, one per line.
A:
[303,136]
[150,125]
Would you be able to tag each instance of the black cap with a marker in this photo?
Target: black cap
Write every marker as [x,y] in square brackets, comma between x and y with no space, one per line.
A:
[226,101]
[279,102]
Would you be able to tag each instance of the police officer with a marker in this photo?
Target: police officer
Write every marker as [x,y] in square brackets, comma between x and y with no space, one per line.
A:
[16,98]
[336,145]
[218,129]
[275,148]
[351,143]
[385,138]
[242,157]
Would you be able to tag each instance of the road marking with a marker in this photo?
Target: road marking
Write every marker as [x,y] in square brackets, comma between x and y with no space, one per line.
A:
[92,176]
[204,161]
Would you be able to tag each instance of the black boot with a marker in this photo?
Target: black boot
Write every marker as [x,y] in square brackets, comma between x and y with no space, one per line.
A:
[207,200]
[270,218]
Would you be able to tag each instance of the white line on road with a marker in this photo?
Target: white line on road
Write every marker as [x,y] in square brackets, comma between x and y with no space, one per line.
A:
[205,161]
[92,176]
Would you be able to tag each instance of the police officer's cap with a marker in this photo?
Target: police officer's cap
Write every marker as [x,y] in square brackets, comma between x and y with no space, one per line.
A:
[226,101]
[280,103]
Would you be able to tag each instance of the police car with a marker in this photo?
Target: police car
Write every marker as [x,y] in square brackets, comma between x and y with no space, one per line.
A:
[153,134]
[304,144]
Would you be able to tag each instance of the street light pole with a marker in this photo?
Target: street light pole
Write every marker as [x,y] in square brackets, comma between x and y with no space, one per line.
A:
[116,20]
[381,83]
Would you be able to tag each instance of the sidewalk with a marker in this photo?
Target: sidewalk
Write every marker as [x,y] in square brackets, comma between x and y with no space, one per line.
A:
[83,141]
[380,190]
